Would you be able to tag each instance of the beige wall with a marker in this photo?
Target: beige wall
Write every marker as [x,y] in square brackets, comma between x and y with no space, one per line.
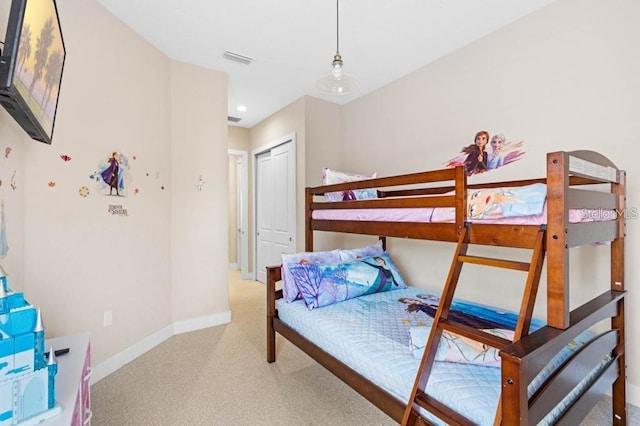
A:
[12,143]
[12,140]
[324,127]
[74,259]
[239,138]
[80,260]
[199,219]
[566,77]
[323,124]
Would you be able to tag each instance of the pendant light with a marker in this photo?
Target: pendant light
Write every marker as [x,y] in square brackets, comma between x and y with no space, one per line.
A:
[337,82]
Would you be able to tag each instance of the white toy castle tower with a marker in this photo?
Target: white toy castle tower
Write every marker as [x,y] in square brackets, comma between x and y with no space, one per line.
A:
[27,379]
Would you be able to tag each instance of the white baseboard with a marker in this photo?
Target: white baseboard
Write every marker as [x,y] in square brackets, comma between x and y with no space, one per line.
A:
[633,394]
[234,266]
[202,322]
[117,361]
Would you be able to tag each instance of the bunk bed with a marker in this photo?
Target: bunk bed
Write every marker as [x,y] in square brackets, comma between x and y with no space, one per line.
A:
[529,388]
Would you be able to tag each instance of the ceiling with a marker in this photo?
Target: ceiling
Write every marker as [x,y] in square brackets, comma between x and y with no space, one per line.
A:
[292,42]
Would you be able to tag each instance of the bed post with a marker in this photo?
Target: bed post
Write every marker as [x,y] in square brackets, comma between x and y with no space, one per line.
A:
[273,276]
[514,401]
[617,322]
[557,249]
[461,198]
[308,236]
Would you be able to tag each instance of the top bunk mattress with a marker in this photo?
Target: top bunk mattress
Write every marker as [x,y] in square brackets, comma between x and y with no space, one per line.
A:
[446,215]
[371,335]
[524,205]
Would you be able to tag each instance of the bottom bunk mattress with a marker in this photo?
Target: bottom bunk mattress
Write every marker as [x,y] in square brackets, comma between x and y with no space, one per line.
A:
[372,335]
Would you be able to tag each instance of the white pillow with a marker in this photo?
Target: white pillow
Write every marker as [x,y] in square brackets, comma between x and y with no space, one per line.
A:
[332,177]
[357,253]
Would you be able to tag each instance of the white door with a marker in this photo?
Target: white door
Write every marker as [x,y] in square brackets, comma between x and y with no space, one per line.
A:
[275,207]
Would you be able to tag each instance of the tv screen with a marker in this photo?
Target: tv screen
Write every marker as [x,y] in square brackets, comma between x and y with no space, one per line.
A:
[31,66]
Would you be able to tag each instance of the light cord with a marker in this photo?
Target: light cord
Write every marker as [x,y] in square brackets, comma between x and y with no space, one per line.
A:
[337,26]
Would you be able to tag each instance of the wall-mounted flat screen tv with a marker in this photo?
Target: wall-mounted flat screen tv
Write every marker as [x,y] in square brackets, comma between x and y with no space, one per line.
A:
[31,66]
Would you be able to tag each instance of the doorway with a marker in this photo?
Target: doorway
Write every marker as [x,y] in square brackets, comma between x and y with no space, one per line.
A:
[275,204]
[238,212]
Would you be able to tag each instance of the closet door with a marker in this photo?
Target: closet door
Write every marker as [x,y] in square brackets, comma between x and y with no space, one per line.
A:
[275,209]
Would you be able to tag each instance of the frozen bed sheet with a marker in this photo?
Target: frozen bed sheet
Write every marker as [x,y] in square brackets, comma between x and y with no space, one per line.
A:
[447,215]
[370,334]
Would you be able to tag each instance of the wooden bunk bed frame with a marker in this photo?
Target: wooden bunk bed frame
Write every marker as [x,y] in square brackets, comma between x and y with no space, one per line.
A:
[523,359]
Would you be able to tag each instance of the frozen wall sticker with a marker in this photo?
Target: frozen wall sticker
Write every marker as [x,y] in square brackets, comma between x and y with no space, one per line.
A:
[117,210]
[487,153]
[4,170]
[112,176]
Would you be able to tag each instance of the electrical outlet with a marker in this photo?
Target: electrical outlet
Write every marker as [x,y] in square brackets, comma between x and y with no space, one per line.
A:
[108,318]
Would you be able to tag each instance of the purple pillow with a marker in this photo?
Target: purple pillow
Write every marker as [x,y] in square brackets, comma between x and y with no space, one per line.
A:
[289,288]
[325,284]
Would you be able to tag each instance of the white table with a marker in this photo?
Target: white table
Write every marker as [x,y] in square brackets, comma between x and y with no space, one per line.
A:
[72,380]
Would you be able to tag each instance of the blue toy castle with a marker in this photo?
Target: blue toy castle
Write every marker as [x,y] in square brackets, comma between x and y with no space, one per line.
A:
[27,378]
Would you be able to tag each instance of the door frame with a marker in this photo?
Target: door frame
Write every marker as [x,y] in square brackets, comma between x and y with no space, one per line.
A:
[242,191]
[254,154]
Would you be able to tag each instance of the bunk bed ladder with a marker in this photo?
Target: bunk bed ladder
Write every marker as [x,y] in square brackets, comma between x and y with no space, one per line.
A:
[419,398]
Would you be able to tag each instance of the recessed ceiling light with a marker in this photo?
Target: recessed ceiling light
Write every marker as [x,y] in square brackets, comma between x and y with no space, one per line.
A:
[241,108]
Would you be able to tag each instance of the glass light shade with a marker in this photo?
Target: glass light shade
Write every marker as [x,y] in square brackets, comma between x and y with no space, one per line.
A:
[337,82]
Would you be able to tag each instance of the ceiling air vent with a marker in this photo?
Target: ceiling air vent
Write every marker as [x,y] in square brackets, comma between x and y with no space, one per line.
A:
[233,119]
[236,57]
